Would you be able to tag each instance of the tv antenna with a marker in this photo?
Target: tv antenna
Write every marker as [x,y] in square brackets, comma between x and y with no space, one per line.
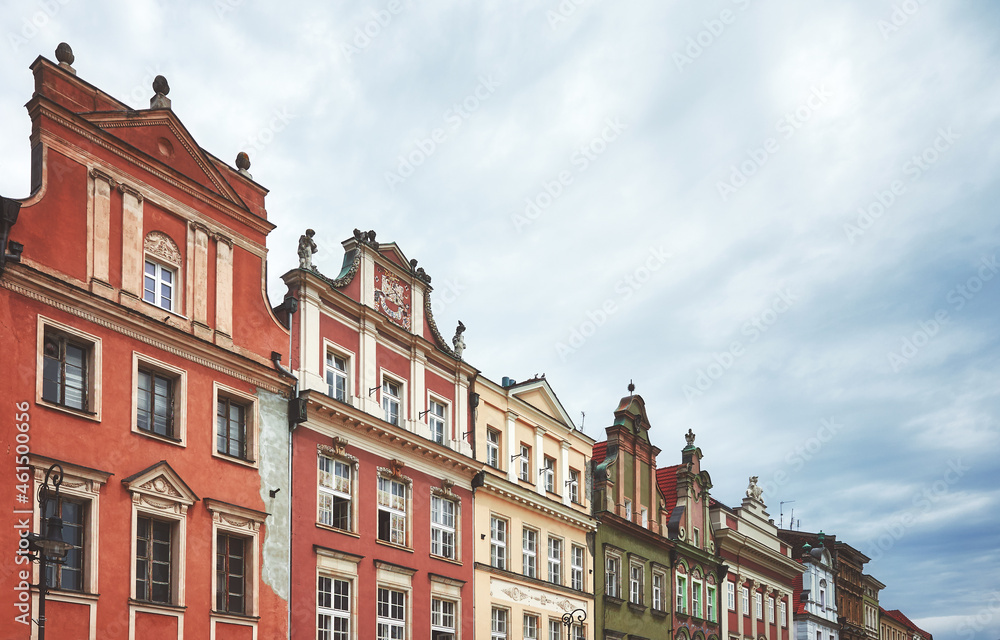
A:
[781,513]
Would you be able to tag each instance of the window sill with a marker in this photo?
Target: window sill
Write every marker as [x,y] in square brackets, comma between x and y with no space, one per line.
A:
[234,617]
[637,608]
[446,559]
[158,606]
[613,600]
[660,613]
[240,461]
[177,442]
[86,415]
[393,545]
[326,527]
[65,595]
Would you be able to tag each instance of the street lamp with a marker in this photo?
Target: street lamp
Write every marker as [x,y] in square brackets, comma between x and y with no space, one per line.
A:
[50,547]
[577,616]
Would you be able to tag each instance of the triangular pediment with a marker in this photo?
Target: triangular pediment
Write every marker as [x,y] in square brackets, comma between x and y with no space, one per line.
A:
[161,481]
[540,395]
[161,136]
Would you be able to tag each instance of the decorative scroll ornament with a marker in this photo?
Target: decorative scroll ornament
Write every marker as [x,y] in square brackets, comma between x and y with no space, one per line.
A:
[160,245]
[392,297]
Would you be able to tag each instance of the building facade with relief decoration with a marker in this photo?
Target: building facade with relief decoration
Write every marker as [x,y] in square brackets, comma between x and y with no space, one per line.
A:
[815,597]
[633,575]
[697,569]
[534,530]
[756,597]
[382,508]
[134,367]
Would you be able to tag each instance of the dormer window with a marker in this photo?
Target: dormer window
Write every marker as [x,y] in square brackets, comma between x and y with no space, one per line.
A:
[161,272]
[158,285]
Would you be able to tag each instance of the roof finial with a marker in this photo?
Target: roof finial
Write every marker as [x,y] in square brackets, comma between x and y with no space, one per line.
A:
[64,54]
[243,163]
[631,387]
[160,89]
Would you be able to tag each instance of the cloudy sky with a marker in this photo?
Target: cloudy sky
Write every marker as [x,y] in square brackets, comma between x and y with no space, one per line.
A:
[774,217]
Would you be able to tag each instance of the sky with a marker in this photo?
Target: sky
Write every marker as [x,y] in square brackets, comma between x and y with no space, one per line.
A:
[774,218]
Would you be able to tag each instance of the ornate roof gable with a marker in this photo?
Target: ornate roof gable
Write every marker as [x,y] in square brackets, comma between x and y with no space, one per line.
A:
[160,481]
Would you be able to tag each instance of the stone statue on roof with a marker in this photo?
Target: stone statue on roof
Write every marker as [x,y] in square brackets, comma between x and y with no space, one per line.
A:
[754,491]
[459,341]
[307,247]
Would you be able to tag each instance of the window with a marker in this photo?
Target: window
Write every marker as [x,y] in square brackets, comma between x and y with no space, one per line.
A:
[697,538]
[628,509]
[498,624]
[392,510]
[230,573]
[391,612]
[745,600]
[231,428]
[696,599]
[333,603]
[153,560]
[493,448]
[644,517]
[576,567]
[529,552]
[549,472]
[66,370]
[635,583]
[612,576]
[577,632]
[442,527]
[442,619]
[155,403]
[574,485]
[498,543]
[525,463]
[158,285]
[334,479]
[336,376]
[530,627]
[681,594]
[731,595]
[555,630]
[555,560]
[390,400]
[758,605]
[68,576]
[822,593]
[770,609]
[658,591]
[784,614]
[436,421]
[710,604]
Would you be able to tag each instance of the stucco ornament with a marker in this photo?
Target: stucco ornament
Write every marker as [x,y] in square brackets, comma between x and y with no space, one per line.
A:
[754,491]
[307,247]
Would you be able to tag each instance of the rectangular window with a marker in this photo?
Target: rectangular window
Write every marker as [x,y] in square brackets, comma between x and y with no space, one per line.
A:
[784,614]
[770,609]
[525,463]
[442,619]
[555,560]
[436,420]
[442,527]
[231,428]
[66,371]
[577,632]
[644,517]
[696,598]
[335,493]
[574,486]
[612,576]
[392,509]
[576,567]
[493,448]
[153,560]
[390,401]
[333,604]
[230,574]
[555,630]
[697,538]
[731,595]
[68,576]
[158,285]
[498,543]
[530,627]
[498,624]
[658,592]
[529,552]
[628,509]
[681,594]
[710,604]
[155,403]
[745,600]
[550,474]
[391,612]
[336,376]
[635,583]
[758,606]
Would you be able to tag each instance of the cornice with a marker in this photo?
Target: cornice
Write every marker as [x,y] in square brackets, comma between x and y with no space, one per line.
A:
[504,489]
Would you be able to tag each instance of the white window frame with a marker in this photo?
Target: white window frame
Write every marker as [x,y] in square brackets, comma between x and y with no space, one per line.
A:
[731,595]
[245,523]
[438,421]
[758,605]
[574,486]
[555,548]
[711,608]
[391,620]
[493,440]
[549,473]
[745,600]
[770,609]
[180,393]
[697,537]
[444,589]
[644,517]
[784,614]
[524,463]
[387,501]
[440,617]
[334,491]
[159,269]
[94,368]
[577,560]
[612,574]
[636,574]
[499,533]
[696,598]
[682,595]
[499,623]
[529,552]
[251,416]
[333,613]
[659,581]
[331,373]
[628,509]
[555,629]
[387,399]
[441,530]
[529,627]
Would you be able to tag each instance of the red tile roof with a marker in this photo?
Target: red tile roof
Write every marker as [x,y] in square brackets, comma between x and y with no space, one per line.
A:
[666,479]
[798,606]
[600,451]
[901,618]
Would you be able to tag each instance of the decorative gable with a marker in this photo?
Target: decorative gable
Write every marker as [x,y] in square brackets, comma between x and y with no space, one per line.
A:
[161,487]
[539,394]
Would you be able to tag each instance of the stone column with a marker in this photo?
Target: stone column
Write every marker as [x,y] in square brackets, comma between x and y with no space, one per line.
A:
[224,291]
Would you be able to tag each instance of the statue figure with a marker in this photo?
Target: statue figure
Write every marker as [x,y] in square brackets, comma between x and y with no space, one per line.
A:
[753,491]
[689,437]
[307,247]
[458,341]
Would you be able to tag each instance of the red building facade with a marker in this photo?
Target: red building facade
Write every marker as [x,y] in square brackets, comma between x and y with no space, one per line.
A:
[132,364]
[383,467]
